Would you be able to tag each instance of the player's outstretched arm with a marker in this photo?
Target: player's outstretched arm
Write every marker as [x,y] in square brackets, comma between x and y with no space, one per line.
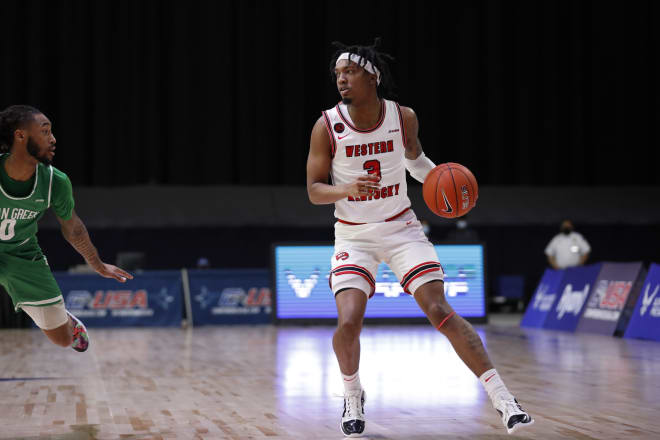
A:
[318,169]
[76,234]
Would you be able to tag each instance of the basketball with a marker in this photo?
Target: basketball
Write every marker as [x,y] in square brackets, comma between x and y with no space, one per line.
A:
[450,190]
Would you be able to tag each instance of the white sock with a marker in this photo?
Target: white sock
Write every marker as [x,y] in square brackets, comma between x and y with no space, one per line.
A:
[494,386]
[352,382]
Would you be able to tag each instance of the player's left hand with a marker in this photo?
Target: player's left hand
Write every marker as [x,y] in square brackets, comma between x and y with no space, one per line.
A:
[110,271]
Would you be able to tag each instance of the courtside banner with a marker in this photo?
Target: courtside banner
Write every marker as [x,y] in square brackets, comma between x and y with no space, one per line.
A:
[151,299]
[610,295]
[302,289]
[240,296]
[574,290]
[543,299]
[645,321]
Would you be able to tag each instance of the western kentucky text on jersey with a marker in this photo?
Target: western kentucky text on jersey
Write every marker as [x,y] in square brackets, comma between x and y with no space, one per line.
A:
[383,193]
[370,148]
[378,151]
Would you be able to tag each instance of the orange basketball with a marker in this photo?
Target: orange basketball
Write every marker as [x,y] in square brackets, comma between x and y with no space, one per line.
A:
[450,190]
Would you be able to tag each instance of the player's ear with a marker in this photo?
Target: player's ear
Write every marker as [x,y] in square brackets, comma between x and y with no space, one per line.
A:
[19,135]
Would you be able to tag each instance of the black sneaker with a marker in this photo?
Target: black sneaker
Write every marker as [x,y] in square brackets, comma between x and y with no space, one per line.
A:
[513,416]
[352,420]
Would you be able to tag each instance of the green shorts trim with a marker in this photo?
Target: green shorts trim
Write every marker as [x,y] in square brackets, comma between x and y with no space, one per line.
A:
[28,279]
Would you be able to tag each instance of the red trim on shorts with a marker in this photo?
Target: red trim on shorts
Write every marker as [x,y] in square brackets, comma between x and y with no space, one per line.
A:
[343,267]
[421,264]
[386,220]
[433,269]
[347,271]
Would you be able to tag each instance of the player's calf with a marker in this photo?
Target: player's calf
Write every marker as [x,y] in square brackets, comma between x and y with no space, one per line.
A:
[53,321]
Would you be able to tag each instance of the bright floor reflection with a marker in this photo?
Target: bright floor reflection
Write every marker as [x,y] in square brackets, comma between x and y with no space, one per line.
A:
[400,367]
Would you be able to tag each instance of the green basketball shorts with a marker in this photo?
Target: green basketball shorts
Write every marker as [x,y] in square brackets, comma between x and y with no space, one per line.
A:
[27,278]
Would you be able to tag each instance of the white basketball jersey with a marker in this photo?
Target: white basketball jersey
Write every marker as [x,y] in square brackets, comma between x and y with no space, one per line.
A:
[378,151]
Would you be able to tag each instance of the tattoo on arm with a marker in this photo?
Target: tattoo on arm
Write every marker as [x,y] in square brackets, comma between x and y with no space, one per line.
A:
[76,234]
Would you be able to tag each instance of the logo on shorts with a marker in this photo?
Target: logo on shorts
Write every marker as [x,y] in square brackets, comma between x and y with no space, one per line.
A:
[342,256]
[339,127]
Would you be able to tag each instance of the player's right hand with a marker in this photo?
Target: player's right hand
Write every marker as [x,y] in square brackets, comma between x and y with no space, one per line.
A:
[363,186]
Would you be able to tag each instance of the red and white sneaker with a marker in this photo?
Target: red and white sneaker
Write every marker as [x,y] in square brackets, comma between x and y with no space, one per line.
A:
[80,336]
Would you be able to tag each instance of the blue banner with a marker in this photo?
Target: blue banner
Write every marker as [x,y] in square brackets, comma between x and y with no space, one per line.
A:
[151,299]
[543,299]
[612,289]
[645,321]
[574,289]
[240,296]
[303,292]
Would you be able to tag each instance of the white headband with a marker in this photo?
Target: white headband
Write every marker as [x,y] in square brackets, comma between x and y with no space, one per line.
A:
[357,59]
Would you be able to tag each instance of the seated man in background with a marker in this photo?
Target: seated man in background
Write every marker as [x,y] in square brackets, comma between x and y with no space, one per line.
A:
[568,248]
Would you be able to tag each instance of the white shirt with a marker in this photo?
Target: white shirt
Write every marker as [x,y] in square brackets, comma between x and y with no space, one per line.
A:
[379,151]
[567,250]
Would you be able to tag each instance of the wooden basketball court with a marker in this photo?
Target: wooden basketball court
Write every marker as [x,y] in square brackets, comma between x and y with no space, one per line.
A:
[283,382]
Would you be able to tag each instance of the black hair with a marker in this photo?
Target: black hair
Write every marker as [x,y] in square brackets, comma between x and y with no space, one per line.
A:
[368,53]
[11,119]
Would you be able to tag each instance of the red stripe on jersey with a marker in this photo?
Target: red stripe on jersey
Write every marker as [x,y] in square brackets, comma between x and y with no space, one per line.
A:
[403,127]
[383,109]
[394,217]
[333,143]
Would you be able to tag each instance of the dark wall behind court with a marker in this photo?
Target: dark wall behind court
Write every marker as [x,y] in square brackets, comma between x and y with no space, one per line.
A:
[174,92]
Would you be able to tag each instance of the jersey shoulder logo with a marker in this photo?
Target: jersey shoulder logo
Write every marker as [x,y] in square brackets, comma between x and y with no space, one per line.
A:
[339,127]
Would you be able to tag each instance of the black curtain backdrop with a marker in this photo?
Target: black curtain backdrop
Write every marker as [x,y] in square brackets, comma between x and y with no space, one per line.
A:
[185,92]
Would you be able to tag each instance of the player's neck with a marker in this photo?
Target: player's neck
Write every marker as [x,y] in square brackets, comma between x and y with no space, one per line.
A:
[365,114]
[20,166]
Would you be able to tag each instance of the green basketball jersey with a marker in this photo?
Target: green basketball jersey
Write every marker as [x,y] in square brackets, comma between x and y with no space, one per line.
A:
[19,213]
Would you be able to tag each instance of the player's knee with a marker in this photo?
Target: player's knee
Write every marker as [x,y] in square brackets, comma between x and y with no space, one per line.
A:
[349,329]
[438,310]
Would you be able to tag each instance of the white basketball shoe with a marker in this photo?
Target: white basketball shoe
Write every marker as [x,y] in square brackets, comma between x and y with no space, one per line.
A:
[352,420]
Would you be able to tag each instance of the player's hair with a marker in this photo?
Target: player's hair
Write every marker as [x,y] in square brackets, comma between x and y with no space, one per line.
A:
[377,58]
[11,119]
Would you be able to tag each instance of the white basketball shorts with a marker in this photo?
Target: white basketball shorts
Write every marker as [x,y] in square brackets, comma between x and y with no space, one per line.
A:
[400,243]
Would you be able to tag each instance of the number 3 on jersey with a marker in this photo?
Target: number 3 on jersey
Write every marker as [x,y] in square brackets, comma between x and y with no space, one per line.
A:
[373,167]
[7,229]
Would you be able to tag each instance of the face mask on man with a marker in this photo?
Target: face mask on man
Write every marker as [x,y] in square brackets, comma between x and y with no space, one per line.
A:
[566,230]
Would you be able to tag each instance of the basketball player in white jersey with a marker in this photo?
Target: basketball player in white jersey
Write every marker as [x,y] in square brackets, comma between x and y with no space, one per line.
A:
[366,143]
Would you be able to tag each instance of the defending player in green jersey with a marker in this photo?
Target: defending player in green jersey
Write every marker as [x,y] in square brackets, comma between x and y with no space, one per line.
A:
[29,185]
